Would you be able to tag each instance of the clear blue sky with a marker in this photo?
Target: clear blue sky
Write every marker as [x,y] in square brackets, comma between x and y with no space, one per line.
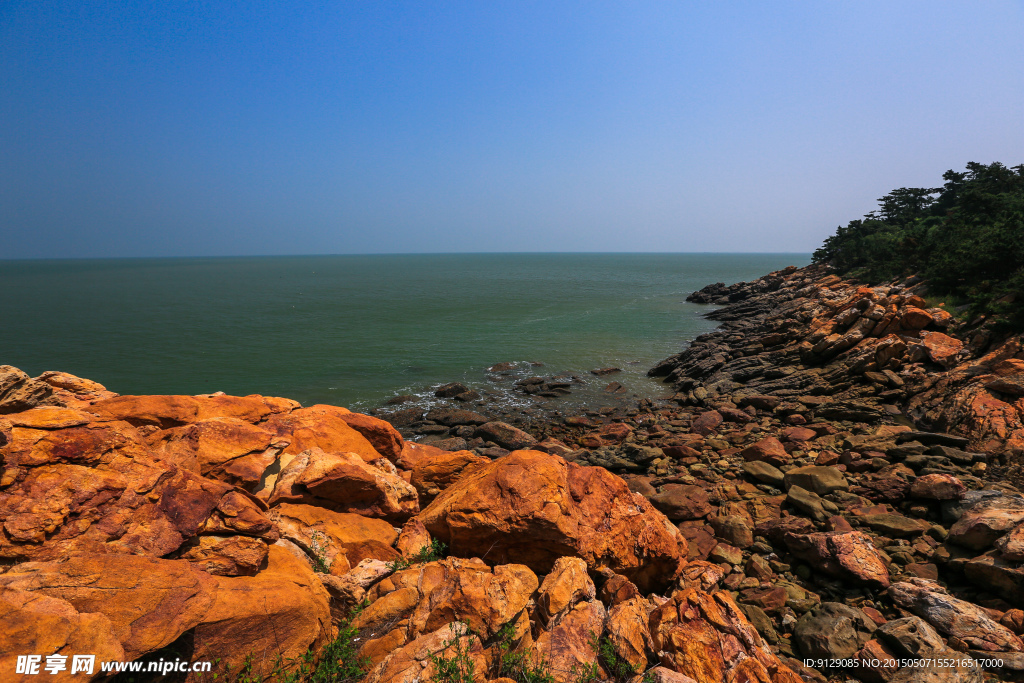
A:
[230,128]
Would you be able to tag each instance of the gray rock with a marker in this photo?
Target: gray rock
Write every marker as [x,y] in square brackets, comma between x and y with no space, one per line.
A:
[816,478]
[832,630]
[506,436]
[807,502]
[734,530]
[764,472]
[912,638]
[954,617]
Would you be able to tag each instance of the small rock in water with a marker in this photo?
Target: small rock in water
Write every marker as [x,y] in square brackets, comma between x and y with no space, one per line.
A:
[601,372]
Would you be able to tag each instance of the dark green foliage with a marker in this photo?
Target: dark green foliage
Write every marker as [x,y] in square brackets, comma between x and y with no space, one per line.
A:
[966,238]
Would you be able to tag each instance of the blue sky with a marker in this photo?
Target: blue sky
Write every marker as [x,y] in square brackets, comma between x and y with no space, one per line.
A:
[235,128]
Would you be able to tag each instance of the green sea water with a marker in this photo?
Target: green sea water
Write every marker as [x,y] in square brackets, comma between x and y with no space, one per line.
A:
[355,330]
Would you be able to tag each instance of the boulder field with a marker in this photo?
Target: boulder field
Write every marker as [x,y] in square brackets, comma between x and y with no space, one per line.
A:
[830,493]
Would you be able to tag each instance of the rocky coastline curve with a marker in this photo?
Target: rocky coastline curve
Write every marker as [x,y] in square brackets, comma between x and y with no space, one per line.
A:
[830,493]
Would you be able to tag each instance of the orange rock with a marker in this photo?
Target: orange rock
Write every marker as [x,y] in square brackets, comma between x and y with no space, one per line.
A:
[345,482]
[227,449]
[847,555]
[942,348]
[173,411]
[568,644]
[226,555]
[566,585]
[412,662]
[38,624]
[706,637]
[533,508]
[769,450]
[416,454]
[413,540]
[283,611]
[433,475]
[384,438]
[341,539]
[50,417]
[913,318]
[628,632]
[148,602]
[323,427]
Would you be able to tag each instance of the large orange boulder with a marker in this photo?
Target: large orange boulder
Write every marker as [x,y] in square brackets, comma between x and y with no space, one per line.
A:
[532,508]
[227,449]
[706,637]
[347,483]
[149,603]
[283,611]
[384,438]
[941,348]
[174,411]
[321,426]
[341,540]
[437,473]
[38,624]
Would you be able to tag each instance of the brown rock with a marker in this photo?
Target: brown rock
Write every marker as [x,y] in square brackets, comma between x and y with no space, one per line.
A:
[768,450]
[568,645]
[412,662]
[533,508]
[629,634]
[505,435]
[849,555]
[937,487]
[706,423]
[682,501]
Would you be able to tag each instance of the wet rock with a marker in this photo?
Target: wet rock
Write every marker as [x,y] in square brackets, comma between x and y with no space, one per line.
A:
[451,417]
[506,436]
[450,390]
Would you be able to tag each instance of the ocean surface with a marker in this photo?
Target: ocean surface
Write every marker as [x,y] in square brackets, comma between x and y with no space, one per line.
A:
[356,330]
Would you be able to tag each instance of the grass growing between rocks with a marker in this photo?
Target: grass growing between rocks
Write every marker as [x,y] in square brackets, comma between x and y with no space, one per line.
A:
[337,662]
[437,550]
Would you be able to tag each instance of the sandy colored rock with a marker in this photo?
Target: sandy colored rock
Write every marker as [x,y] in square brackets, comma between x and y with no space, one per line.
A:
[413,540]
[412,662]
[533,508]
[628,632]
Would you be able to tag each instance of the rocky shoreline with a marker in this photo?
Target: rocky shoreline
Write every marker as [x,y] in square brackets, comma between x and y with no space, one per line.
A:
[829,492]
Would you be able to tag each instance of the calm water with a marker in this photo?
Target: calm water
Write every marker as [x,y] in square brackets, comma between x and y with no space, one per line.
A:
[354,330]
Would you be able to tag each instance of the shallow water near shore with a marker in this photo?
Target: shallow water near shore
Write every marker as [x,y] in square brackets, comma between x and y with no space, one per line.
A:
[355,330]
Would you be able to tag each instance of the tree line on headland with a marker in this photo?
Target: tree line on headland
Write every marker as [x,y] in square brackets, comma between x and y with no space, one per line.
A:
[965,238]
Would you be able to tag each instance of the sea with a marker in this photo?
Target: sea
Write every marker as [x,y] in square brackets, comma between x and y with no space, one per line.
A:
[356,330]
